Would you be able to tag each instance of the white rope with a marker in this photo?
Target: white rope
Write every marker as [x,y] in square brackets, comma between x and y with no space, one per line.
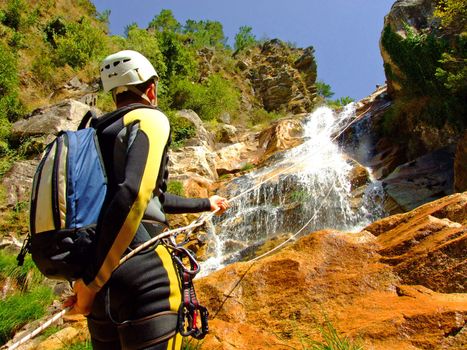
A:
[31,335]
[196,223]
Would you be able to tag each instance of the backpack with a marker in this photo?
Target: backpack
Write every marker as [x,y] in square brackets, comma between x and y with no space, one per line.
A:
[68,192]
[67,195]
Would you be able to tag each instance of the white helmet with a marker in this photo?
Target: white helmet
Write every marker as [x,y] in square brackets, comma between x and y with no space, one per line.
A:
[126,68]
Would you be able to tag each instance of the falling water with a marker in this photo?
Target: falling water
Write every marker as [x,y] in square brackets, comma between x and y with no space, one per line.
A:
[311,181]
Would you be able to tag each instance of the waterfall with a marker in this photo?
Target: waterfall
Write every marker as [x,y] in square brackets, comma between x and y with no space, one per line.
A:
[312,182]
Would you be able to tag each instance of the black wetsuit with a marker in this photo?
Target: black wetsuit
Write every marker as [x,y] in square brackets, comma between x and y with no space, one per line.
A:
[137,302]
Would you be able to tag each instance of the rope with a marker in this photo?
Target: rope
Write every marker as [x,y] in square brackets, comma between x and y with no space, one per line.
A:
[254,260]
[31,335]
[197,223]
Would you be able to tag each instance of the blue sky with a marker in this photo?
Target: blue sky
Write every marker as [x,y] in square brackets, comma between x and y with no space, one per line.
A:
[345,34]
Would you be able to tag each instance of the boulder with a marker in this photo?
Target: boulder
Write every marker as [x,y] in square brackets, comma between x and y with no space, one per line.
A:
[422,180]
[234,158]
[281,135]
[51,119]
[427,246]
[18,182]
[192,161]
[283,300]
[227,133]
[202,136]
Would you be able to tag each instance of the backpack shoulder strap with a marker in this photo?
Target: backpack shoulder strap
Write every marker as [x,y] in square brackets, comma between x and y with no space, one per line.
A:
[89,116]
[109,118]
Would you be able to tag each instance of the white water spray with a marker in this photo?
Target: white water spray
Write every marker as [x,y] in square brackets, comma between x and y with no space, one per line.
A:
[313,182]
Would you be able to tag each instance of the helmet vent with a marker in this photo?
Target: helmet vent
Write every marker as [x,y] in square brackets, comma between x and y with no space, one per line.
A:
[116,63]
[107,66]
[126,60]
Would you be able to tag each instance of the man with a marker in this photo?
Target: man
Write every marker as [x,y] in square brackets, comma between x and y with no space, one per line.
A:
[134,305]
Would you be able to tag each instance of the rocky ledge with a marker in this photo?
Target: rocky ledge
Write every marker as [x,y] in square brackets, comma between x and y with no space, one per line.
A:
[398,284]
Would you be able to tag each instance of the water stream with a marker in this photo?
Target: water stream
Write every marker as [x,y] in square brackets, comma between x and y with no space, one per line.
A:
[311,181]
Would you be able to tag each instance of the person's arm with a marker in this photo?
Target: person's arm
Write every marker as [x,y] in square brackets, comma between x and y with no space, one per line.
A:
[174,204]
[150,131]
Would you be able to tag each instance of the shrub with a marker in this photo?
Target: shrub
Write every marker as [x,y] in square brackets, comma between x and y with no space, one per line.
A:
[12,16]
[142,41]
[10,106]
[244,38]
[260,116]
[81,43]
[210,99]
[181,129]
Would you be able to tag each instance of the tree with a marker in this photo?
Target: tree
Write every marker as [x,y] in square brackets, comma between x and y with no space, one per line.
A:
[205,33]
[324,90]
[244,38]
[165,21]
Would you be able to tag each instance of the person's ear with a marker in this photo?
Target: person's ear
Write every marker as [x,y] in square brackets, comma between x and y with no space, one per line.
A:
[151,93]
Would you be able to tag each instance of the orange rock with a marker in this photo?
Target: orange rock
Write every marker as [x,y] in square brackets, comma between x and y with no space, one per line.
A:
[373,288]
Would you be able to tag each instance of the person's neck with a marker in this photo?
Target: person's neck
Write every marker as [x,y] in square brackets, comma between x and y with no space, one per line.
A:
[129,102]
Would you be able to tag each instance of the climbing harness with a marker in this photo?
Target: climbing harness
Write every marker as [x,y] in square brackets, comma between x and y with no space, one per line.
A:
[190,310]
[192,317]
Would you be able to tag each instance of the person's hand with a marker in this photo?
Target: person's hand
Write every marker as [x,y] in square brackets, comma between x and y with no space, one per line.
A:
[82,300]
[219,203]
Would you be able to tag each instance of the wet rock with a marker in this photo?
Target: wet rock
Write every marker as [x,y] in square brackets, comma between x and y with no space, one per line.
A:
[422,180]
[235,158]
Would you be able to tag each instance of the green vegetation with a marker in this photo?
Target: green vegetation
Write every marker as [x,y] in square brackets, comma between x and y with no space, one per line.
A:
[247,167]
[331,340]
[25,305]
[431,69]
[175,187]
[244,38]
[325,92]
[453,15]
[82,345]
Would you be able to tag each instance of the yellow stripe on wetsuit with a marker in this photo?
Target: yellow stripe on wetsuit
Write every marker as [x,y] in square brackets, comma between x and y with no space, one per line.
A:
[175,296]
[156,127]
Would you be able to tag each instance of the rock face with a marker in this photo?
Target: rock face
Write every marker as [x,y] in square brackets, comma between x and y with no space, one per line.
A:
[280,80]
[396,285]
[422,180]
[18,181]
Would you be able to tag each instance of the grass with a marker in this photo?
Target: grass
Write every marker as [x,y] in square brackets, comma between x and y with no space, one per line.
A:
[83,345]
[21,308]
[331,340]
[27,303]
